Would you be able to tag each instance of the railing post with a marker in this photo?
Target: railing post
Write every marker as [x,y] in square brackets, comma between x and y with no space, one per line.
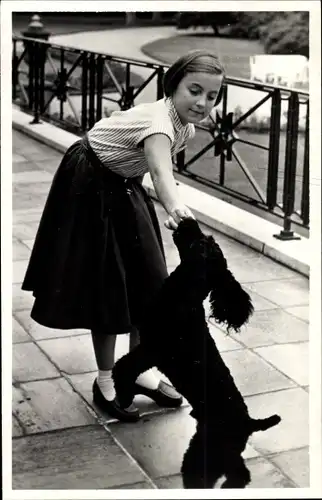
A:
[305,202]
[180,160]
[160,83]
[36,89]
[274,149]
[222,155]
[92,85]
[14,71]
[129,90]
[84,91]
[36,58]
[290,167]
[99,83]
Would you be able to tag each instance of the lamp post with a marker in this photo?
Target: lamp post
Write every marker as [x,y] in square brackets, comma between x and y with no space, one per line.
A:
[36,59]
[36,29]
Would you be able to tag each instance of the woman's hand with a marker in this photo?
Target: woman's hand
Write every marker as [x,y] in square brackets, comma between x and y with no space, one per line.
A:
[177,215]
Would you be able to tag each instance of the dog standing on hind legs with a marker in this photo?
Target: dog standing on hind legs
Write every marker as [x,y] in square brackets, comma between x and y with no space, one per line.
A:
[182,348]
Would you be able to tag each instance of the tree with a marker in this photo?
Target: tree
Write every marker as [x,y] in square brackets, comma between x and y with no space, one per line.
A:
[214,19]
[289,35]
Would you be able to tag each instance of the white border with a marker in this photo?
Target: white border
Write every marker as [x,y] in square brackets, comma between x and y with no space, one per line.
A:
[7,7]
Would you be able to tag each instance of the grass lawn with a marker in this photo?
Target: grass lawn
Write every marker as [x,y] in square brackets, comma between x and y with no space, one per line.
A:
[234,53]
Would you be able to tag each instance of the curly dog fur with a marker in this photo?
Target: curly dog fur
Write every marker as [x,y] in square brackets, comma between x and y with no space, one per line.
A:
[174,337]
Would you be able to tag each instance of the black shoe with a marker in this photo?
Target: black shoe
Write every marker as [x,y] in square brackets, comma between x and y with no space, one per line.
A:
[130,414]
[165,395]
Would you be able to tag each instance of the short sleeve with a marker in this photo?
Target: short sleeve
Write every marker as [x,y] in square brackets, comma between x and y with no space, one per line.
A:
[157,124]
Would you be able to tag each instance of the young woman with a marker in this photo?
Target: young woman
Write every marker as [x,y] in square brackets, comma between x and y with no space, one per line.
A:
[98,257]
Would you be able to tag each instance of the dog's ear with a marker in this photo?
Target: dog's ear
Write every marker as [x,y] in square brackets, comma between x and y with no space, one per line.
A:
[230,303]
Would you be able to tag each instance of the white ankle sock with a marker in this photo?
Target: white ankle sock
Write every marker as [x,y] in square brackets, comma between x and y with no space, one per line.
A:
[148,380]
[106,384]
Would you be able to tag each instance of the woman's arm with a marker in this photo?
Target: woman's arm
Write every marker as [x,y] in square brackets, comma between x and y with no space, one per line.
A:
[158,154]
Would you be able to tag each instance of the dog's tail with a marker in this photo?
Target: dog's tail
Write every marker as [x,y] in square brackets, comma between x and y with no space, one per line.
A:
[262,424]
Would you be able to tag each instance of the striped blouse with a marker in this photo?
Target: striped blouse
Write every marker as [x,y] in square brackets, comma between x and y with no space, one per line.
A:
[118,140]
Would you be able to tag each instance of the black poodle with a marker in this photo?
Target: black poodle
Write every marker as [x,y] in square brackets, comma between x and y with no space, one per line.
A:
[174,337]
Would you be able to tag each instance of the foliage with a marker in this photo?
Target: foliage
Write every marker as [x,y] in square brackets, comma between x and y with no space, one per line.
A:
[288,36]
[280,32]
[214,19]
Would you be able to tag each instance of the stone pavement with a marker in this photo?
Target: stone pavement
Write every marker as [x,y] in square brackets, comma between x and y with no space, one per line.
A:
[61,441]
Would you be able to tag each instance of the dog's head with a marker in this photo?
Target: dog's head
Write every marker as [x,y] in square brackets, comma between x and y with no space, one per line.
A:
[230,304]
[193,244]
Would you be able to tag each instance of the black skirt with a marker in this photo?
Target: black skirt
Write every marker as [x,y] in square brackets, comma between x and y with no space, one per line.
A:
[98,258]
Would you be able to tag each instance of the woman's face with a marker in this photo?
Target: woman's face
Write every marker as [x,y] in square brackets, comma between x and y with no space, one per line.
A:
[196,95]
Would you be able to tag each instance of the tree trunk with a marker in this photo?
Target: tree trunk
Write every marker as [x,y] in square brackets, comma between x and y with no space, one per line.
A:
[156,17]
[130,18]
[214,27]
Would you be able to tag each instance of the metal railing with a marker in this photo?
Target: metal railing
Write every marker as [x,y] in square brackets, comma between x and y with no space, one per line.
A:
[47,79]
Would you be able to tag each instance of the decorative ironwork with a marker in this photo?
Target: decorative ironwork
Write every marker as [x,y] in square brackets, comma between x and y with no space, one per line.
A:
[70,87]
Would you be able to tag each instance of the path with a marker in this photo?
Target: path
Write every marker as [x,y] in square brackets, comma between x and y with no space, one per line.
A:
[61,441]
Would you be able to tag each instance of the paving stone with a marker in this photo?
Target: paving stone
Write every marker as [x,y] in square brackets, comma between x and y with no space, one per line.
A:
[301,312]
[20,251]
[25,216]
[252,374]
[29,243]
[263,473]
[158,442]
[21,299]
[19,270]
[51,165]
[71,354]
[259,303]
[272,327]
[25,201]
[224,342]
[31,177]
[17,158]
[19,334]
[40,155]
[293,431]
[31,148]
[40,332]
[29,363]
[25,230]
[173,482]
[47,405]
[22,166]
[233,250]
[259,269]
[295,464]
[75,354]
[28,187]
[135,486]
[285,293]
[16,427]
[291,359]
[79,458]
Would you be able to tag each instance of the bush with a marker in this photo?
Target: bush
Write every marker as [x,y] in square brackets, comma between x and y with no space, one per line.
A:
[288,36]
[280,32]
[214,19]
